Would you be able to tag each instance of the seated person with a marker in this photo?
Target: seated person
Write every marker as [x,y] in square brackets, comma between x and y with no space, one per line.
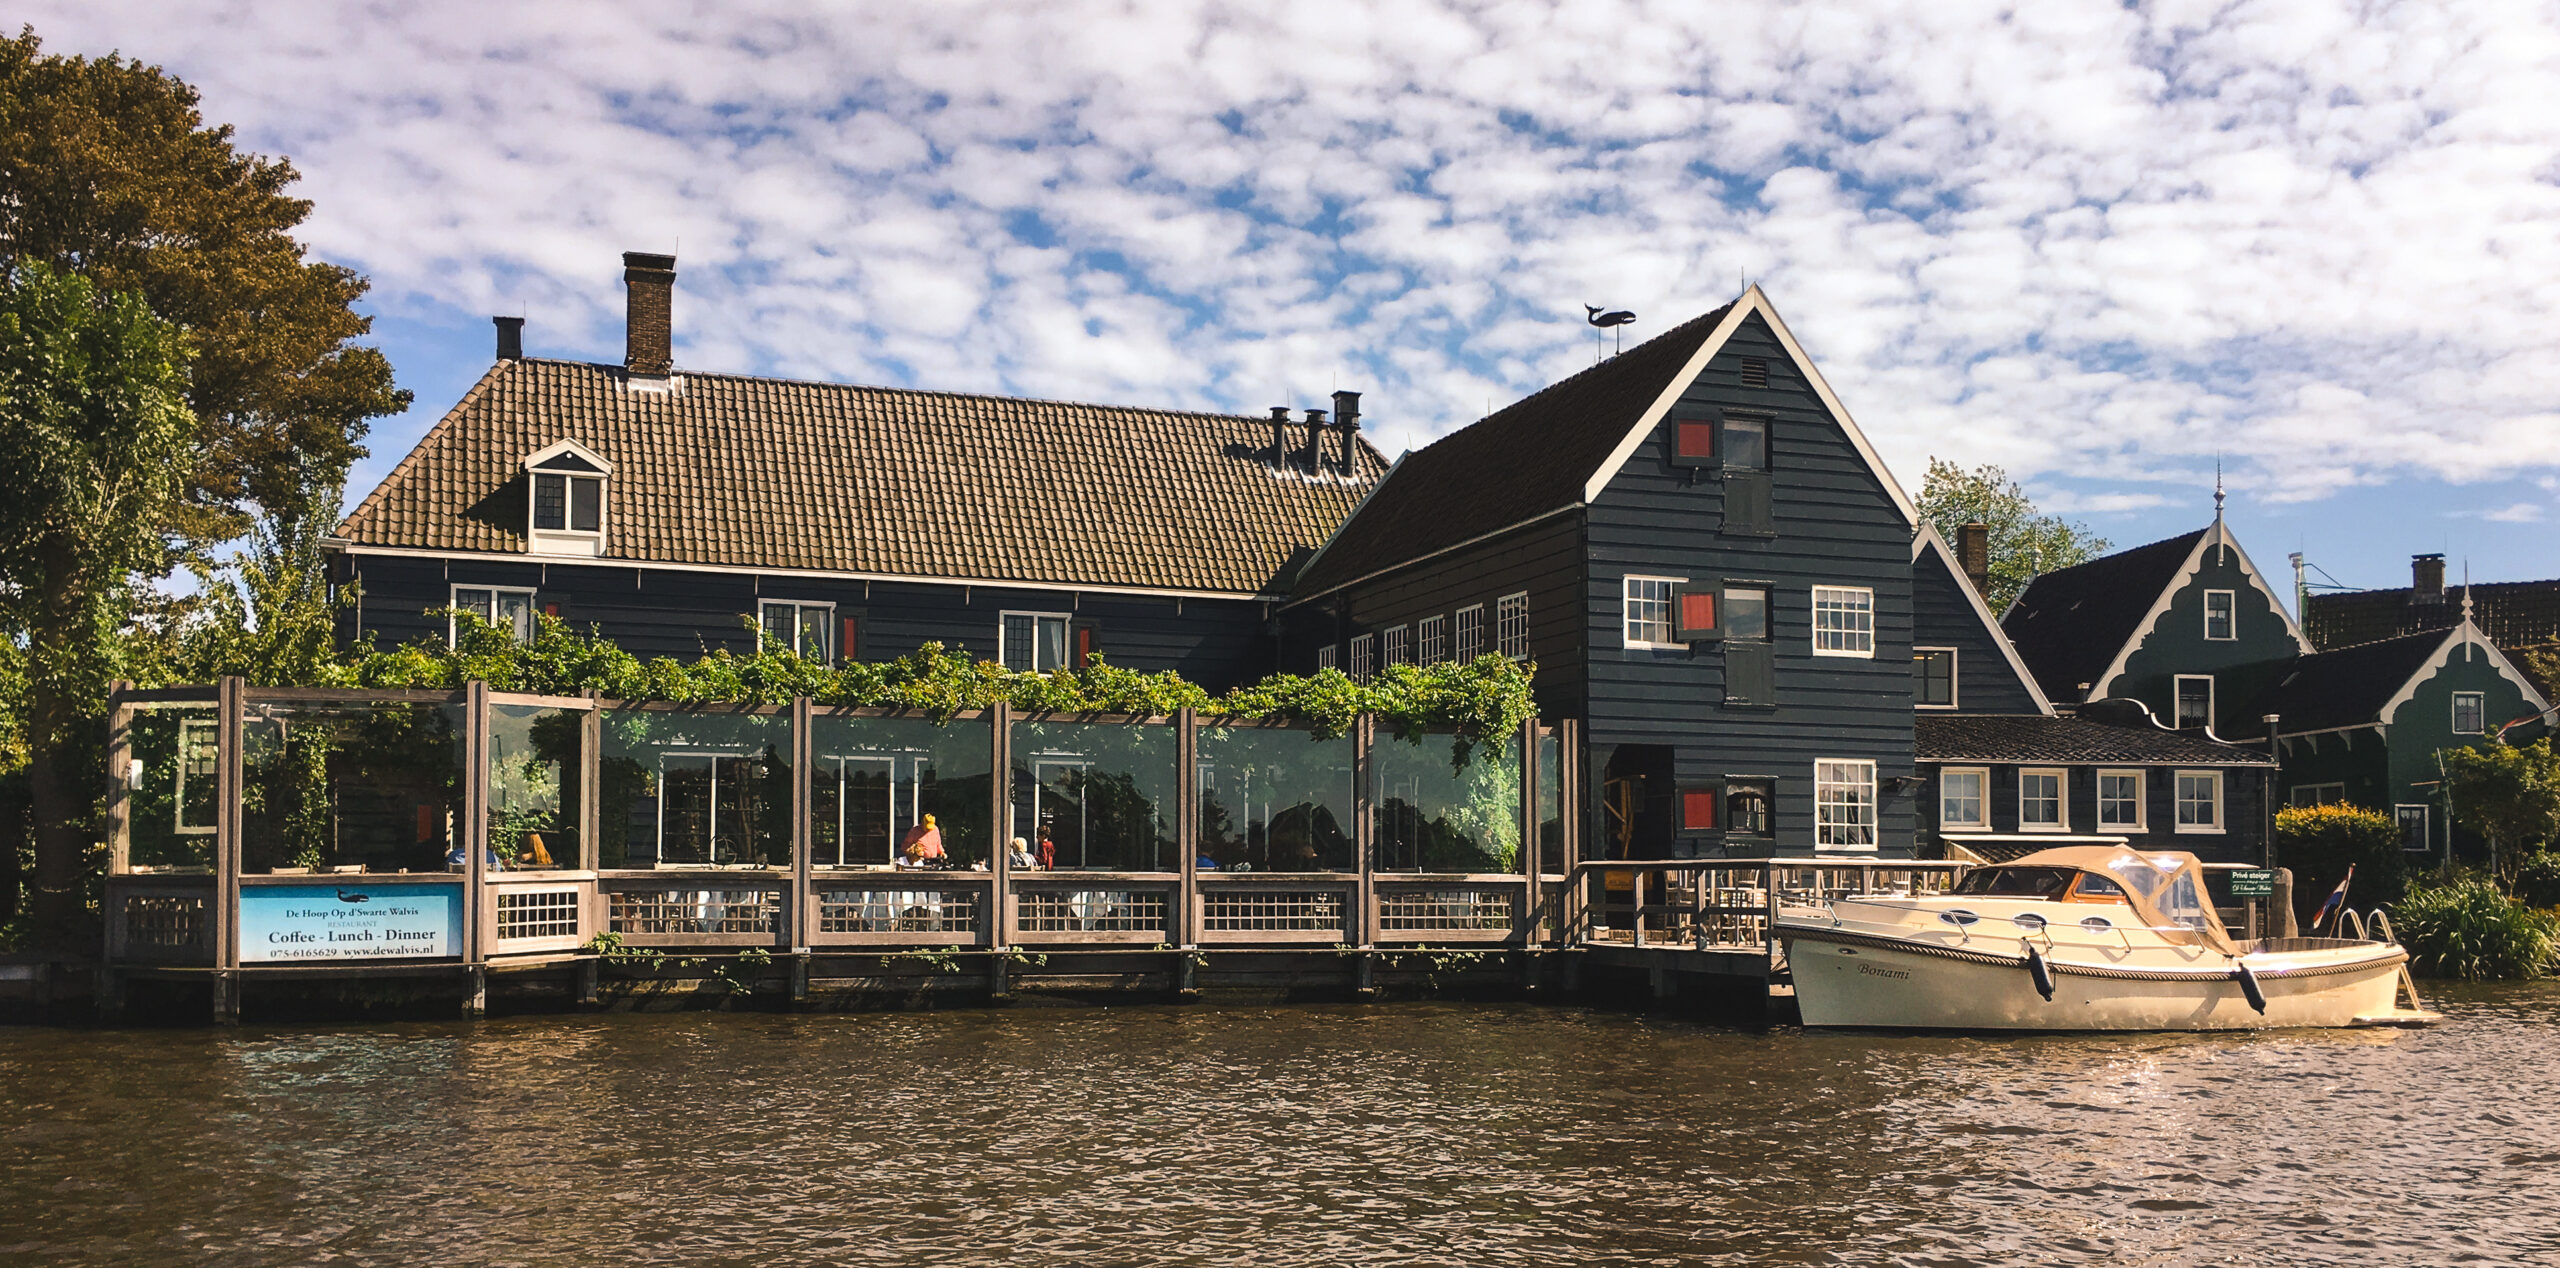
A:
[922,847]
[1020,856]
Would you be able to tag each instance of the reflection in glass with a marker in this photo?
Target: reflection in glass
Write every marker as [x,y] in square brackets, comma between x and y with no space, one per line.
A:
[1096,796]
[370,784]
[534,769]
[1550,803]
[170,786]
[695,788]
[1434,816]
[1275,800]
[876,778]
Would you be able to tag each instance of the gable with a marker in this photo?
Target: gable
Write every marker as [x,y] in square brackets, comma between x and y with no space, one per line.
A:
[2172,637]
[2070,624]
[1946,611]
[2464,660]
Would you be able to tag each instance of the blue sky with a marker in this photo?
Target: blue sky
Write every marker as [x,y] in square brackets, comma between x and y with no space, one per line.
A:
[2104,246]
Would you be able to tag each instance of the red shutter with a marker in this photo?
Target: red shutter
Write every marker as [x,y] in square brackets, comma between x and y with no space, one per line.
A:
[1698,809]
[551,610]
[850,650]
[1697,612]
[1698,441]
[1088,643]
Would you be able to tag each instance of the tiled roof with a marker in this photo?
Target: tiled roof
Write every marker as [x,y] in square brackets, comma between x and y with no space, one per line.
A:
[2513,614]
[1521,461]
[2346,687]
[2029,737]
[2071,622]
[771,474]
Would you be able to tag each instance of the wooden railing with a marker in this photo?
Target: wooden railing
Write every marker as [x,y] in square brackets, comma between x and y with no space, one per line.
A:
[1725,904]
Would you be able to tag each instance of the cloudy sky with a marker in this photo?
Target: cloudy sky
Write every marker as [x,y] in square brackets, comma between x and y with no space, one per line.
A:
[2102,245]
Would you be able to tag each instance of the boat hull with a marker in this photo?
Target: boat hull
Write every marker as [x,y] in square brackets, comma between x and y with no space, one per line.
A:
[1844,979]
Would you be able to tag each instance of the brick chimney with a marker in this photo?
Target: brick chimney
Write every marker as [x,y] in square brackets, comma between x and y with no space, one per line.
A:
[650,325]
[1973,554]
[2426,578]
[1314,452]
[1346,420]
[510,338]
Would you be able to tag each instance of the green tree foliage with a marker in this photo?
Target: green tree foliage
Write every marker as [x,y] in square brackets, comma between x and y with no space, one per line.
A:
[110,171]
[93,431]
[2508,793]
[2468,928]
[2321,842]
[2023,543]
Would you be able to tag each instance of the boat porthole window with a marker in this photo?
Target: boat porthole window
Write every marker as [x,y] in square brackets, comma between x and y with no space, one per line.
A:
[2027,920]
[1958,917]
[2097,924]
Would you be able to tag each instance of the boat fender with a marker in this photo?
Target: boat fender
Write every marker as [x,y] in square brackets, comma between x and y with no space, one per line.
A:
[2041,972]
[2249,987]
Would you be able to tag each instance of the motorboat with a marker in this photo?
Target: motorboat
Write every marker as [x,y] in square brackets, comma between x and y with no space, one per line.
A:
[2079,938]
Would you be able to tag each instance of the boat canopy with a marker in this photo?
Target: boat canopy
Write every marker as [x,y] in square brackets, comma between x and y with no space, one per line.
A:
[2165,886]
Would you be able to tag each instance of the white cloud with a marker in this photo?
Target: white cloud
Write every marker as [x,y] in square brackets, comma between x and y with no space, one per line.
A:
[2515,513]
[2083,241]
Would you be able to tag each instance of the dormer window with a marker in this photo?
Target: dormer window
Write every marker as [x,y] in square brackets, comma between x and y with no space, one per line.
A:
[568,502]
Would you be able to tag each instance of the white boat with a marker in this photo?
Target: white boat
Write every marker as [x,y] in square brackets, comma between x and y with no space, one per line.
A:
[2083,938]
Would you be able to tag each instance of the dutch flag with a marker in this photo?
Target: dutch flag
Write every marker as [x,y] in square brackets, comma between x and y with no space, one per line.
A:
[2335,902]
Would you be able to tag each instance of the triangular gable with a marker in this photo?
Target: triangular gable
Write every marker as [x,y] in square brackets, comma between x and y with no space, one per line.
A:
[1752,301]
[2219,536]
[570,448]
[2464,635]
[1926,544]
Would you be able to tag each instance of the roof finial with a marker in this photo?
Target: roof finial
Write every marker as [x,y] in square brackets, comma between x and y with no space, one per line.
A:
[2217,488]
[2466,597]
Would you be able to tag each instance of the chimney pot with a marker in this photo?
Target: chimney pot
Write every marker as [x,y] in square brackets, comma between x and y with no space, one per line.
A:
[510,338]
[650,282]
[1313,454]
[1280,437]
[2426,578]
[1973,553]
[1346,419]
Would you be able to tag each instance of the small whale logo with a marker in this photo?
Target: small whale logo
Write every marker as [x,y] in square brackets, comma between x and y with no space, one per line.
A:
[345,897]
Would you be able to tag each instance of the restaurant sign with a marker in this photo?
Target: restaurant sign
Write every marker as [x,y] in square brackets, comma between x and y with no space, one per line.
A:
[292,924]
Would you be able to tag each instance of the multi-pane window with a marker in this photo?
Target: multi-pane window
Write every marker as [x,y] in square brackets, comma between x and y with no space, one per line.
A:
[1844,621]
[1746,613]
[1470,632]
[498,606]
[2199,801]
[2218,615]
[1364,656]
[1034,641]
[1399,645]
[1433,634]
[567,503]
[1511,626]
[2040,800]
[2470,710]
[2316,794]
[1933,677]
[1324,657]
[2413,827]
[1647,611]
[2120,799]
[1747,811]
[1844,805]
[806,628]
[1963,800]
[2195,701]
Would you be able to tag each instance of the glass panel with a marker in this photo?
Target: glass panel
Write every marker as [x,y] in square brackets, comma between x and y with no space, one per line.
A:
[877,780]
[1746,443]
[171,786]
[1275,800]
[1430,816]
[1550,803]
[1018,642]
[515,608]
[813,631]
[1746,613]
[1096,796]
[1053,643]
[534,769]
[777,622]
[684,788]
[586,505]
[550,501]
[372,785]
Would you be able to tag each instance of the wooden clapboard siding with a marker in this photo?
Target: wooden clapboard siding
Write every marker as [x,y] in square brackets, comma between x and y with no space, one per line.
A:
[1942,616]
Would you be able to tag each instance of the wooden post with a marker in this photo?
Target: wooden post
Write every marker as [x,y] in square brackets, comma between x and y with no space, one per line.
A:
[590,776]
[1364,834]
[477,918]
[226,852]
[1530,810]
[1000,819]
[1569,818]
[799,923]
[2281,922]
[1185,930]
[119,781]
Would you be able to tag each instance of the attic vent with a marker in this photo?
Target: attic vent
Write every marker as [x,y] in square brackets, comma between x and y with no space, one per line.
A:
[1755,372]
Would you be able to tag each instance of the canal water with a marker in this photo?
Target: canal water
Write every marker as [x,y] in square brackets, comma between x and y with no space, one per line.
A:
[1394,1134]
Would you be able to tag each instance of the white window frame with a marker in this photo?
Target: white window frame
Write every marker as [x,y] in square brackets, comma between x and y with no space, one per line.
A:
[1853,639]
[1324,657]
[1981,797]
[1857,831]
[200,752]
[566,540]
[2480,701]
[2230,615]
[1066,638]
[1470,633]
[1431,640]
[1955,668]
[2426,827]
[826,627]
[453,627]
[2177,719]
[1631,627]
[1364,652]
[1511,625]
[2141,795]
[2178,797]
[1398,645]
[2061,798]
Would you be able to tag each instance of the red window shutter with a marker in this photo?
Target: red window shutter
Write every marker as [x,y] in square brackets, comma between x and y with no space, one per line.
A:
[850,649]
[1697,612]
[1698,440]
[1698,809]
[551,610]
[1088,643]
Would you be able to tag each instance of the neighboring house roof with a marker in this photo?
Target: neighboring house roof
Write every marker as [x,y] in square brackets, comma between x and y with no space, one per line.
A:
[2512,613]
[2366,684]
[768,474]
[1928,542]
[2031,739]
[1554,449]
[2069,623]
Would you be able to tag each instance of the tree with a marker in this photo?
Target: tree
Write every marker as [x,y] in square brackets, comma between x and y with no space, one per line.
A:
[2023,543]
[2321,842]
[94,428]
[2505,792]
[108,170]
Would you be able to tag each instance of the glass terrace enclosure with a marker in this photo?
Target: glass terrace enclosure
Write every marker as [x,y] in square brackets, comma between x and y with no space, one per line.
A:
[256,827]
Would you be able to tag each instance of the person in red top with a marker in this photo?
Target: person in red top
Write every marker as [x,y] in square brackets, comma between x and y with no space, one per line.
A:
[923,846]
[1048,852]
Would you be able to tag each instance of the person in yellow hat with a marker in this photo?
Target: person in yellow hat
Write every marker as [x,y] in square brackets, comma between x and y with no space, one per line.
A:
[922,846]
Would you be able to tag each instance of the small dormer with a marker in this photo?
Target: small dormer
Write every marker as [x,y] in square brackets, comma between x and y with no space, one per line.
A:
[568,503]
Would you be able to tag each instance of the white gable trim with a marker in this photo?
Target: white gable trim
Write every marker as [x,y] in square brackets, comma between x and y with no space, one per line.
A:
[1929,540]
[2218,536]
[2463,635]
[1752,301]
[558,448]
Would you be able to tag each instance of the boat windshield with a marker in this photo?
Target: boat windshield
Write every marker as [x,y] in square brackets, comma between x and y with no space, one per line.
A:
[2016,882]
[2180,902]
[2166,882]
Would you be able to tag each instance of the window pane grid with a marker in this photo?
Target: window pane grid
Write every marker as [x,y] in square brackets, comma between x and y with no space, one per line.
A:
[1470,632]
[1844,621]
[2040,799]
[2119,799]
[2469,709]
[1435,639]
[1363,657]
[1648,610]
[1844,805]
[2199,800]
[1960,798]
[1397,645]
[1511,626]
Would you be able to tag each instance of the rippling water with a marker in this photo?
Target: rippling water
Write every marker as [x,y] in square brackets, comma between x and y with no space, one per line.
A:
[1423,1134]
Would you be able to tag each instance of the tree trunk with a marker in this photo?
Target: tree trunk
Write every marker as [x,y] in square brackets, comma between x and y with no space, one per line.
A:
[58,906]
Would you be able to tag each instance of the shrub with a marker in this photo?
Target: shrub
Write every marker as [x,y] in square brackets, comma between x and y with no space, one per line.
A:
[2538,879]
[2320,842]
[2468,928]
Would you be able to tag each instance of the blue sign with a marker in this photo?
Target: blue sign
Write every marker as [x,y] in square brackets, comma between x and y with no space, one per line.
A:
[296,924]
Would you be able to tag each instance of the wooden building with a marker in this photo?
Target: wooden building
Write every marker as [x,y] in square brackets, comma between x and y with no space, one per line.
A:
[2517,616]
